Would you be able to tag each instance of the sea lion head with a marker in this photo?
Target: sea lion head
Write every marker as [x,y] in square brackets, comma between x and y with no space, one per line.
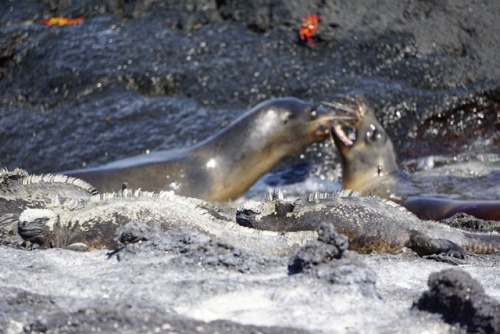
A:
[271,131]
[366,150]
[294,121]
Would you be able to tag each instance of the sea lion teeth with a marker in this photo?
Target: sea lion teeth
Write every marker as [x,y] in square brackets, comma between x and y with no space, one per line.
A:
[342,135]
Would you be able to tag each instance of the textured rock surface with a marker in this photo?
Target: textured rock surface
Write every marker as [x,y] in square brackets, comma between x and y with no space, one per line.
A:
[141,76]
[179,281]
[461,299]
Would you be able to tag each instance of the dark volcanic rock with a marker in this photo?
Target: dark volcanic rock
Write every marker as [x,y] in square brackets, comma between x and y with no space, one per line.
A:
[138,76]
[461,299]
[327,258]
[190,248]
[25,308]
[328,247]
[468,222]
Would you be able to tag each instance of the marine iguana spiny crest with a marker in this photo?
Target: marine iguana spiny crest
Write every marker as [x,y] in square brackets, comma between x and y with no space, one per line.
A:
[19,191]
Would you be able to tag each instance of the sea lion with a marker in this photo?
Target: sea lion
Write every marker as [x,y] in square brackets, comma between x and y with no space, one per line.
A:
[224,166]
[369,166]
[367,154]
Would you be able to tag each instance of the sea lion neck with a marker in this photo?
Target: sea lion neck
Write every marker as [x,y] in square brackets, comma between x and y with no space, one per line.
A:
[252,145]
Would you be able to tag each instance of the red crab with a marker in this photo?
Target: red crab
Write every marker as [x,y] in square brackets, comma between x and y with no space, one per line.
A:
[62,21]
[308,28]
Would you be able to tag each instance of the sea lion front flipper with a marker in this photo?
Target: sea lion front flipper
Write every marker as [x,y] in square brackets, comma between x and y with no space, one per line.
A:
[424,245]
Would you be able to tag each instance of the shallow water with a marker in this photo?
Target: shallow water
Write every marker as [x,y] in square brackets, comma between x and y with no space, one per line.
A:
[464,176]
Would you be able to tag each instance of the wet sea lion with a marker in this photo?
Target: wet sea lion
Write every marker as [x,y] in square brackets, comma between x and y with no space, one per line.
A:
[224,166]
[369,166]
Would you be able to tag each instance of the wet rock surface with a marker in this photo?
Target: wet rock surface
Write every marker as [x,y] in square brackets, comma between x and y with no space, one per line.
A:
[471,223]
[135,77]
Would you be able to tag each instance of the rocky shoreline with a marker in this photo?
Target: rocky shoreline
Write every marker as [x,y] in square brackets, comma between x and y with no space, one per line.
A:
[137,76]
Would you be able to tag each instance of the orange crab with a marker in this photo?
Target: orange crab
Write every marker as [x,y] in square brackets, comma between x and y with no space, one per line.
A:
[62,21]
[308,29]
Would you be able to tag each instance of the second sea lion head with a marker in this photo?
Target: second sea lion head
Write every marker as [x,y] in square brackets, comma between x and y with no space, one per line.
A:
[366,150]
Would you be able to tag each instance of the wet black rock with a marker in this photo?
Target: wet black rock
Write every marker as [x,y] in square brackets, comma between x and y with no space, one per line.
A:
[328,247]
[138,76]
[471,223]
[460,299]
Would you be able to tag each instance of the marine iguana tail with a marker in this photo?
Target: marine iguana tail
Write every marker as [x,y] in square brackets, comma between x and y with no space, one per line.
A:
[371,224]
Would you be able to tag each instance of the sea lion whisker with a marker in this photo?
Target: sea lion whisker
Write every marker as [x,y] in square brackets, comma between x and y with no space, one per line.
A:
[330,132]
[339,106]
[342,117]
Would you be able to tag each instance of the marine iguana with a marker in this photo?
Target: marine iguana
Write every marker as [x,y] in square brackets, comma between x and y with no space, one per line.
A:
[369,166]
[19,190]
[224,166]
[372,224]
[276,226]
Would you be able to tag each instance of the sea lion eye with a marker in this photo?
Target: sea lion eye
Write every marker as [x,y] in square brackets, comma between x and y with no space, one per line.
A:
[287,116]
[312,112]
[374,134]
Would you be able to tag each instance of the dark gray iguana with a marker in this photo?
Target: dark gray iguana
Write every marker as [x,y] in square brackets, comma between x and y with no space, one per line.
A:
[371,224]
[95,223]
[61,211]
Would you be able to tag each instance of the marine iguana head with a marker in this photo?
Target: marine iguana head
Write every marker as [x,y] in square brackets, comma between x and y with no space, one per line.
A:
[366,150]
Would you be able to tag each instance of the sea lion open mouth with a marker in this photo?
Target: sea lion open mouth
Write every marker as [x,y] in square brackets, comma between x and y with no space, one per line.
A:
[346,134]
[345,129]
